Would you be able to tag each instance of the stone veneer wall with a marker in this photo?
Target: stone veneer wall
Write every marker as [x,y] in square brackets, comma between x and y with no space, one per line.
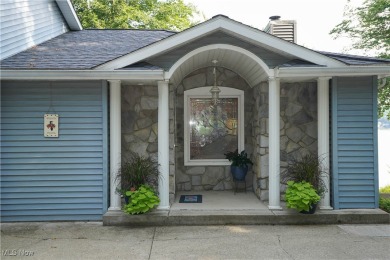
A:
[298,123]
[298,128]
[139,121]
[208,177]
[140,125]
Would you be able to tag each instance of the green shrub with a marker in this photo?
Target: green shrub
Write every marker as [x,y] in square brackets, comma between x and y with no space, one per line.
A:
[384,204]
[301,195]
[385,189]
[141,200]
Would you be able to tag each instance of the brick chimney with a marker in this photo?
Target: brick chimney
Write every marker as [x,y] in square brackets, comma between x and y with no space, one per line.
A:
[285,29]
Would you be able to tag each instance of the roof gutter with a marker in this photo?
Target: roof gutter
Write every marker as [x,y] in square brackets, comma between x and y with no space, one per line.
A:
[138,75]
[380,71]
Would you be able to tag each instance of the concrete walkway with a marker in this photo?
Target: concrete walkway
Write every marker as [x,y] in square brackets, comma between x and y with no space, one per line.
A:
[227,208]
[94,241]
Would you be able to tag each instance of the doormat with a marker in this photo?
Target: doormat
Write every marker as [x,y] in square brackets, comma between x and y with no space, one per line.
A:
[190,199]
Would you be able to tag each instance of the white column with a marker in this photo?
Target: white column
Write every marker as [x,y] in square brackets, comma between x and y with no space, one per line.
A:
[274,143]
[115,142]
[323,134]
[163,143]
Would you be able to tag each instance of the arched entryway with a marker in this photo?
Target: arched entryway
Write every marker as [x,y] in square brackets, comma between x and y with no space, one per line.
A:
[238,69]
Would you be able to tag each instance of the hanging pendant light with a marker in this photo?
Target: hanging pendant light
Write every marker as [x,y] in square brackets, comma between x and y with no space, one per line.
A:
[215,90]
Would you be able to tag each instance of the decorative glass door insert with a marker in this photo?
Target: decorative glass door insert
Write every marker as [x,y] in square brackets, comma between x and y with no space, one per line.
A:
[212,129]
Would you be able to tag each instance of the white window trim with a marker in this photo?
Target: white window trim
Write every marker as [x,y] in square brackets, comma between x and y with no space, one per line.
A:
[204,92]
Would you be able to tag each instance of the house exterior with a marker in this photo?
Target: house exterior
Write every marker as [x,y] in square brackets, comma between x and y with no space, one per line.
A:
[116,91]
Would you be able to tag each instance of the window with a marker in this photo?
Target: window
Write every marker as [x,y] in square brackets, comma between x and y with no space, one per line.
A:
[211,130]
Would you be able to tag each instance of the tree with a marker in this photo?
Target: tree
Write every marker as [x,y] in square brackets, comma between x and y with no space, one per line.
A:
[135,14]
[369,28]
[384,100]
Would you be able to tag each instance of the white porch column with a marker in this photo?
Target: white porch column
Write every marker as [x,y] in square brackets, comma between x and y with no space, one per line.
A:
[163,143]
[115,142]
[323,134]
[274,143]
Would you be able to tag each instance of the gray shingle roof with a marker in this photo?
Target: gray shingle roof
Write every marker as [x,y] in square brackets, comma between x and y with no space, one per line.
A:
[84,49]
[299,63]
[356,60]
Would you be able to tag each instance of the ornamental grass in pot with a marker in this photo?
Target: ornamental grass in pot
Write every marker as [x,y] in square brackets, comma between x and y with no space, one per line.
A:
[139,177]
[305,169]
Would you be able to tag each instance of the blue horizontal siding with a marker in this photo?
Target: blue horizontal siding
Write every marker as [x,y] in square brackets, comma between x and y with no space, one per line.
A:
[354,143]
[17,192]
[68,137]
[60,108]
[66,120]
[62,178]
[74,143]
[43,212]
[53,149]
[53,167]
[26,23]
[73,217]
[75,154]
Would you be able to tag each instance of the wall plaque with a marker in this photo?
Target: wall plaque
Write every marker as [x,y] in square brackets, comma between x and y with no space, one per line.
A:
[50,128]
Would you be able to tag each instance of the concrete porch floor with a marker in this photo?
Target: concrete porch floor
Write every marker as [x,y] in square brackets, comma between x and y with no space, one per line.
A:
[220,200]
[227,208]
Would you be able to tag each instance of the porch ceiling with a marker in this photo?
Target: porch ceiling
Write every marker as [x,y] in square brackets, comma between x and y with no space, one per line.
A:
[238,61]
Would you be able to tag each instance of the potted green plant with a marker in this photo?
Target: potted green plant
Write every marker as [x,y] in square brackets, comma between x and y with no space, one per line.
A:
[301,196]
[239,164]
[141,200]
[137,170]
[309,169]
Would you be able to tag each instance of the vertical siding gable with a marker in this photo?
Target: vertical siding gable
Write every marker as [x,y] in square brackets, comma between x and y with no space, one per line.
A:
[62,178]
[27,23]
[354,142]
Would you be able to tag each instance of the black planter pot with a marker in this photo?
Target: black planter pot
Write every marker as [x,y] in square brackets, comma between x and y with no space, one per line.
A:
[312,209]
[127,199]
[239,172]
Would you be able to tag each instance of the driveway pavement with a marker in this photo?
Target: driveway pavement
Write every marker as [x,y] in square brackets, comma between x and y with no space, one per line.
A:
[92,240]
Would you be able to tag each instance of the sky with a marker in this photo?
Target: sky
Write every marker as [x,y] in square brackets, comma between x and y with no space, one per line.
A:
[315,18]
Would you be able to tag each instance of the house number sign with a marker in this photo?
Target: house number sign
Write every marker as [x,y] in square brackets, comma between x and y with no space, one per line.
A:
[50,127]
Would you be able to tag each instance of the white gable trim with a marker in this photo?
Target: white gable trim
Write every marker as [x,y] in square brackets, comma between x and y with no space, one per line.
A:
[69,14]
[278,45]
[249,54]
[231,27]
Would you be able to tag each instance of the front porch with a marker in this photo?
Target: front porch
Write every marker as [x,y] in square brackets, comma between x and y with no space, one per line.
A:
[225,208]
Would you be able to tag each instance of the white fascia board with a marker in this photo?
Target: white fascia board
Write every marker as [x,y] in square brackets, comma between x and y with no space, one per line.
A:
[229,26]
[139,75]
[278,45]
[381,71]
[69,14]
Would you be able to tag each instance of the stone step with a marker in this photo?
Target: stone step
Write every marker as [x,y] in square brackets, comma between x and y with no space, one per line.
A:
[245,217]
